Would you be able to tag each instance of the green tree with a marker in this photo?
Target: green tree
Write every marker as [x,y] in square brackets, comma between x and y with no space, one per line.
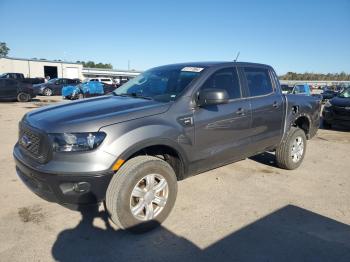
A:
[4,50]
[316,76]
[92,64]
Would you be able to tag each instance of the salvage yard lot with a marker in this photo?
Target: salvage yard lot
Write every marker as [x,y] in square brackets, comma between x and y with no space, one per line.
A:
[246,211]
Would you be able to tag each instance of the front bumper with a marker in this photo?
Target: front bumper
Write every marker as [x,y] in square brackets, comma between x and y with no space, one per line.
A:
[331,117]
[68,190]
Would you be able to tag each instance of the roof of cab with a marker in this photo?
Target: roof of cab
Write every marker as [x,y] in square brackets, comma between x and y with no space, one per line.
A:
[215,63]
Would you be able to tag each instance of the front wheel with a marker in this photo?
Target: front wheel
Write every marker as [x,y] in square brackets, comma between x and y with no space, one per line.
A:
[141,194]
[291,152]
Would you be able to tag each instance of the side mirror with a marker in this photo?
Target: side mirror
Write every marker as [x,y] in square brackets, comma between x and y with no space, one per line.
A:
[213,97]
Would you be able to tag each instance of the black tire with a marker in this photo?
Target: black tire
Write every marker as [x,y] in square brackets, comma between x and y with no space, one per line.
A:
[23,97]
[326,124]
[283,152]
[47,92]
[118,196]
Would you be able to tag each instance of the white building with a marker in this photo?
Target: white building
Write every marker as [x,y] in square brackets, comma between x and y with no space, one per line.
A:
[41,68]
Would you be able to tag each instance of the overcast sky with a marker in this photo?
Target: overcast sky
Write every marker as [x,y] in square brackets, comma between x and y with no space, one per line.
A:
[295,35]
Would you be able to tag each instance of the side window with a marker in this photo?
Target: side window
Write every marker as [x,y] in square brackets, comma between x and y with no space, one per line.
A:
[259,82]
[226,79]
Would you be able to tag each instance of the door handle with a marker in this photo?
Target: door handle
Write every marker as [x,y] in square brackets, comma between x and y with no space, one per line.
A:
[240,111]
[275,104]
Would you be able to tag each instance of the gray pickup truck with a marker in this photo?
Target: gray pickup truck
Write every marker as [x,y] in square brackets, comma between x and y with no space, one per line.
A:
[130,148]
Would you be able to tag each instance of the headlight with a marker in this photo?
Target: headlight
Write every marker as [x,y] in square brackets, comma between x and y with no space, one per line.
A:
[327,104]
[73,142]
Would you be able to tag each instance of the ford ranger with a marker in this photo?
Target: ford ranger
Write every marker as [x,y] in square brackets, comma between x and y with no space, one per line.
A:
[130,148]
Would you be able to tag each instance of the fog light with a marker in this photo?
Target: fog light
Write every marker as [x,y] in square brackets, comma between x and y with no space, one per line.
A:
[81,187]
[74,187]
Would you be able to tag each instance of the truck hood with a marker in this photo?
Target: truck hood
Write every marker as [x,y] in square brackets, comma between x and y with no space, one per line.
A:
[90,115]
[40,85]
[340,101]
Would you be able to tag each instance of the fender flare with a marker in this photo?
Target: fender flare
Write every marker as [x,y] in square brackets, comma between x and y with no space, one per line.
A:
[157,142]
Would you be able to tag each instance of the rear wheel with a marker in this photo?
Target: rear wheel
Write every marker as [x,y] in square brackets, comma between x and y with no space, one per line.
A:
[47,92]
[23,97]
[142,193]
[290,154]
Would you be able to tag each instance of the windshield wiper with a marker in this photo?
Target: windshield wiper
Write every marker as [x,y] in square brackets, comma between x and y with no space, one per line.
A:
[133,95]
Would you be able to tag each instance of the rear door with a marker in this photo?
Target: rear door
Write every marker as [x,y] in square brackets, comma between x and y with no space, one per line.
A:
[222,131]
[266,105]
[8,88]
[62,83]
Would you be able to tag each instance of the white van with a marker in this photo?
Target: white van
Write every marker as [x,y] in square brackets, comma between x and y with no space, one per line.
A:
[105,80]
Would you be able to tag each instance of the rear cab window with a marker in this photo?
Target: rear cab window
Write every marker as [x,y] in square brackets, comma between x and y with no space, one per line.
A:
[258,81]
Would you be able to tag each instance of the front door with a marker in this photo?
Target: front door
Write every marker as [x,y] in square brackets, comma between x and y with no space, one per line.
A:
[222,131]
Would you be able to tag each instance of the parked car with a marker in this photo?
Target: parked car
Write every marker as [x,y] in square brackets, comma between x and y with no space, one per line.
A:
[20,77]
[337,110]
[328,94]
[170,122]
[105,80]
[54,86]
[86,89]
[15,90]
[303,89]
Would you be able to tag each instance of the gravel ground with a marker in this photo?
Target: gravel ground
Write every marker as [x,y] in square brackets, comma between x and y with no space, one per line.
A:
[247,211]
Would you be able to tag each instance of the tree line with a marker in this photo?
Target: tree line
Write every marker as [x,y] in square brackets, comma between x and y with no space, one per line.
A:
[316,76]
[92,64]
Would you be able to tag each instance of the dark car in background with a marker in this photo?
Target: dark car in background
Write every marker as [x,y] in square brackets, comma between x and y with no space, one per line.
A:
[337,110]
[328,94]
[54,86]
[14,90]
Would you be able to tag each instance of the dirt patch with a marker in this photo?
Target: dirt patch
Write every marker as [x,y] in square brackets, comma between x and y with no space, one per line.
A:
[31,214]
[266,171]
[31,107]
[334,137]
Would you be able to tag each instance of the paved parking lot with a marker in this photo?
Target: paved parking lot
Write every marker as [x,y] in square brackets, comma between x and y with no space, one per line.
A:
[246,211]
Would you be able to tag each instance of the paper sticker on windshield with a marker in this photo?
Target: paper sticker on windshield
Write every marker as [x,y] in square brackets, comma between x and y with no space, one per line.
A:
[192,69]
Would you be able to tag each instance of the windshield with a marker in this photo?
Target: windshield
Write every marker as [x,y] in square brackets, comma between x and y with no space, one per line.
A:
[162,84]
[52,80]
[345,93]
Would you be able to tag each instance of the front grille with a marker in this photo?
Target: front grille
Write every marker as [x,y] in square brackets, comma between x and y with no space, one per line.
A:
[33,143]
